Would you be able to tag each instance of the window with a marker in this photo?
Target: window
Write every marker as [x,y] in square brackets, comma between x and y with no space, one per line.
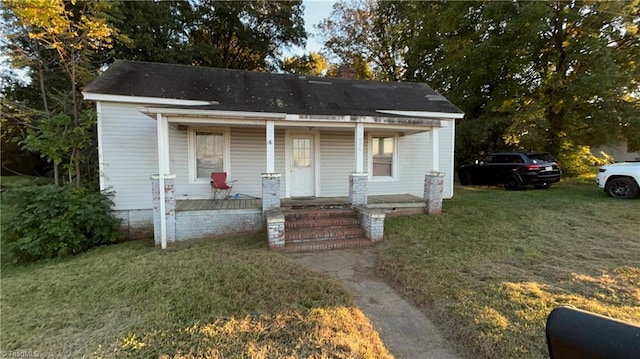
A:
[383,156]
[209,153]
[301,152]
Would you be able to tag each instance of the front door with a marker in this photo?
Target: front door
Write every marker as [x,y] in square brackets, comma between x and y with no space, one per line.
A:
[302,167]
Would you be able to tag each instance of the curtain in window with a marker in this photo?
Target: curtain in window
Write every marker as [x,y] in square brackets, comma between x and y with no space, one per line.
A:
[209,153]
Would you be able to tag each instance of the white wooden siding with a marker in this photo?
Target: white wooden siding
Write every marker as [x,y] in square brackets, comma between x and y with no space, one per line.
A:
[129,158]
[413,163]
[247,162]
[337,161]
[447,145]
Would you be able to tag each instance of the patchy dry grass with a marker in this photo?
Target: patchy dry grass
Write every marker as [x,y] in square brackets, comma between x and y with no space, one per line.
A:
[223,298]
[492,267]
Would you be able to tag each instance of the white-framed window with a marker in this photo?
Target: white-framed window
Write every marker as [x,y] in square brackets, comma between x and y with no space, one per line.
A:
[383,157]
[209,151]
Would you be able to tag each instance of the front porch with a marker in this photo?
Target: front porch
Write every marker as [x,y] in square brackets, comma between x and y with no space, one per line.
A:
[293,224]
[298,224]
[392,204]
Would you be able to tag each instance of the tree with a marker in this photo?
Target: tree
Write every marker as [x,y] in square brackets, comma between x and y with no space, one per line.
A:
[552,75]
[246,35]
[359,40]
[154,31]
[58,38]
[313,64]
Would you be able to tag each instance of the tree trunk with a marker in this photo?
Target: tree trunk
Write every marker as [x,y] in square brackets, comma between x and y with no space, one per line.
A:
[76,119]
[56,176]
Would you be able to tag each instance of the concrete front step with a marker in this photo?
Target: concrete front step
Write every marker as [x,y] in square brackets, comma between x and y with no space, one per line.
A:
[326,244]
[320,233]
[321,222]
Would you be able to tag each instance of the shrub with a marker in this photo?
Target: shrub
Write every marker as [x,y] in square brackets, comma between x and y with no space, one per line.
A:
[51,221]
[579,161]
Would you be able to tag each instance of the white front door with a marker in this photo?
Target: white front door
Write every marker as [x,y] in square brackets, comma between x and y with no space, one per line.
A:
[302,166]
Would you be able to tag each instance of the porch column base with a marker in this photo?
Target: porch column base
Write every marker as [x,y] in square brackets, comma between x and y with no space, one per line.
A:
[373,223]
[270,191]
[275,228]
[358,188]
[433,188]
[169,209]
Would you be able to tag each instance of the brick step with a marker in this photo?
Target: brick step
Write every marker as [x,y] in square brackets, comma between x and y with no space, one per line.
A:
[326,233]
[326,244]
[316,213]
[321,222]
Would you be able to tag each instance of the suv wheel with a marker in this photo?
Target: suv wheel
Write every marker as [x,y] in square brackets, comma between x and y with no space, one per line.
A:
[512,182]
[621,187]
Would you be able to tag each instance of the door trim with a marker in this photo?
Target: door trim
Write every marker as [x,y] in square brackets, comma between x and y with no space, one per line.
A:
[288,159]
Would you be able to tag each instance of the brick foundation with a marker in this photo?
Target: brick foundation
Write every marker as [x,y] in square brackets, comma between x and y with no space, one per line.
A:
[208,223]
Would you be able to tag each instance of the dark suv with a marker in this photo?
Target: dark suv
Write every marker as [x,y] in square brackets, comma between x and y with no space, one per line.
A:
[512,169]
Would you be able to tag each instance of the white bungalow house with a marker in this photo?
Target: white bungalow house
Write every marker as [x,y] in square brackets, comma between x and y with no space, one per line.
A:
[283,138]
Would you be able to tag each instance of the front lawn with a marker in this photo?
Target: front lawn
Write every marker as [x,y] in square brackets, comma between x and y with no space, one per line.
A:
[495,263]
[223,298]
[488,271]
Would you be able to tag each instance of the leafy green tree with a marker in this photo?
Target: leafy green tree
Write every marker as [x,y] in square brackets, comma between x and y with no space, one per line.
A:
[154,31]
[313,64]
[358,38]
[550,75]
[57,40]
[232,34]
[245,34]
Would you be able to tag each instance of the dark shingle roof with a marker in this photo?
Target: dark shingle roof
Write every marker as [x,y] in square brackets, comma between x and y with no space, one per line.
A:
[236,90]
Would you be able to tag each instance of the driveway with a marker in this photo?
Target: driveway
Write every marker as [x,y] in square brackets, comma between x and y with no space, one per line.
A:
[405,331]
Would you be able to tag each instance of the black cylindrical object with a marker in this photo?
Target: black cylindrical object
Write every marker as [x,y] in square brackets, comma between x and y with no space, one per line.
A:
[577,334]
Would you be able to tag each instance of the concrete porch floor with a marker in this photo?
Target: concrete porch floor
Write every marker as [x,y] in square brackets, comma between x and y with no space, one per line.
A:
[379,201]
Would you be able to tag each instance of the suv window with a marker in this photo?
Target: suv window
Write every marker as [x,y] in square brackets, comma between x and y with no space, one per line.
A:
[541,157]
[513,159]
[488,159]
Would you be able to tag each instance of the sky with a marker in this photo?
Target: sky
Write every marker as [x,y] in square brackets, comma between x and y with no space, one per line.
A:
[314,12]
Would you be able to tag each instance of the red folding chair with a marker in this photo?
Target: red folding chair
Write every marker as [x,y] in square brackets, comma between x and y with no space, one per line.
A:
[220,186]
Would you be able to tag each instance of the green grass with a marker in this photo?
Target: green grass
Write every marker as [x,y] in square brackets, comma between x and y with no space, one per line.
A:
[222,298]
[488,271]
[495,263]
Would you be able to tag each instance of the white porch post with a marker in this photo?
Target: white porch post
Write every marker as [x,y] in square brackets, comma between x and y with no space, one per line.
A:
[358,179]
[359,147]
[270,179]
[163,170]
[271,160]
[434,137]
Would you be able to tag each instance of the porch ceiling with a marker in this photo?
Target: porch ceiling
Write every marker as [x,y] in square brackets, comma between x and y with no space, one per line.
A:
[403,131]
[403,126]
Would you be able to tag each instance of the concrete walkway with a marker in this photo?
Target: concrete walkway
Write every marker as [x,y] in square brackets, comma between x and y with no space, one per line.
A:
[404,330]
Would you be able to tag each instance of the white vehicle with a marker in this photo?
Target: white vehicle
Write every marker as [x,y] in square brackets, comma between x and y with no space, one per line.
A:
[620,180]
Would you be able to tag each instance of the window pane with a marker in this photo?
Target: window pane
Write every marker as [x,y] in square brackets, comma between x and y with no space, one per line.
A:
[209,153]
[301,152]
[382,150]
